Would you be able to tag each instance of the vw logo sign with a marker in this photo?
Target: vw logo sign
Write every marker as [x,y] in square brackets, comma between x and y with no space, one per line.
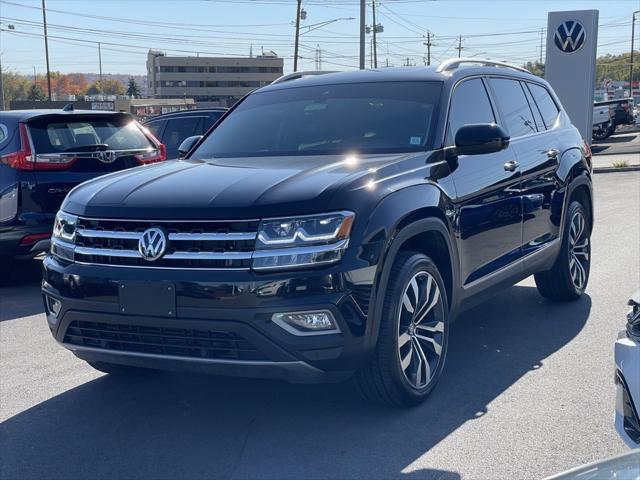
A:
[570,36]
[152,244]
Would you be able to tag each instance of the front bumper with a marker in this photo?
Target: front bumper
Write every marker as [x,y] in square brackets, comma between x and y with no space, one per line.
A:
[627,417]
[221,322]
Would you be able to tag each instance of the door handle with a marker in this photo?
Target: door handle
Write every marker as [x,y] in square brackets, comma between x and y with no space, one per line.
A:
[511,166]
[553,153]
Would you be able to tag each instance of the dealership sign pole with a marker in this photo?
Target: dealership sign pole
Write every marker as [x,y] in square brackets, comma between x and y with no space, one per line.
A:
[570,67]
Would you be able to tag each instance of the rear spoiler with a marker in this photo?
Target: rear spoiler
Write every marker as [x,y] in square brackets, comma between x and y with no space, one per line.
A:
[66,115]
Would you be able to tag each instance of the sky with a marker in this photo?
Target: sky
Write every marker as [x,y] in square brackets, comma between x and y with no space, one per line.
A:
[126,29]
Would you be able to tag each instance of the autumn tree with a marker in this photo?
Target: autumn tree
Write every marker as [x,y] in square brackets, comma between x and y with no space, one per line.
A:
[15,87]
[109,87]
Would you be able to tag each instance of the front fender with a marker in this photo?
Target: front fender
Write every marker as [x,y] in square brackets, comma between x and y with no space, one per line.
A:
[397,218]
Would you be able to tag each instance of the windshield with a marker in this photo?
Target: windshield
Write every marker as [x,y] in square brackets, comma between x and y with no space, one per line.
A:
[82,135]
[382,117]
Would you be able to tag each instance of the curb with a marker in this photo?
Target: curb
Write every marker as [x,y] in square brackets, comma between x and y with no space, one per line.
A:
[631,168]
[605,153]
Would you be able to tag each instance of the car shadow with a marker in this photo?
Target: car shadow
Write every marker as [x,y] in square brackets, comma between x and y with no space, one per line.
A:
[169,425]
[20,288]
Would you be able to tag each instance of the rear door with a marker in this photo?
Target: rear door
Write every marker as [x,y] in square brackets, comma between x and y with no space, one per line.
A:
[70,149]
[488,200]
[538,153]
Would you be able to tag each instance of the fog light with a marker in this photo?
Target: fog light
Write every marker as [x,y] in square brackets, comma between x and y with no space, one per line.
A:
[53,306]
[307,323]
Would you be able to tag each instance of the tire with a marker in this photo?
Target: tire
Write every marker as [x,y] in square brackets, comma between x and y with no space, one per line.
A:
[396,373]
[120,370]
[569,276]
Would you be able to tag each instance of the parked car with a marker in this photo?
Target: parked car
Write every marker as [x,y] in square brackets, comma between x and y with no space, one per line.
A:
[173,128]
[627,355]
[602,123]
[46,153]
[619,467]
[329,227]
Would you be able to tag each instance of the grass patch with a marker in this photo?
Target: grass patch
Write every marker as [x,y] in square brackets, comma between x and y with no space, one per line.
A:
[620,164]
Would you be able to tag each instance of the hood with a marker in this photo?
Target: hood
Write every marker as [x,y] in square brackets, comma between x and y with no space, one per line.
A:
[226,188]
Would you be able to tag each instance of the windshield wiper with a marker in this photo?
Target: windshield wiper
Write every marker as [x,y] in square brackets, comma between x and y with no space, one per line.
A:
[98,147]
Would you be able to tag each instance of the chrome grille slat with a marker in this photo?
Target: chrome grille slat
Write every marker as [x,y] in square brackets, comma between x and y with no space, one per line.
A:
[227,244]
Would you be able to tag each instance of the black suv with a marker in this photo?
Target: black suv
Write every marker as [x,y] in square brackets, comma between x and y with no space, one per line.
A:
[329,226]
[45,153]
[173,128]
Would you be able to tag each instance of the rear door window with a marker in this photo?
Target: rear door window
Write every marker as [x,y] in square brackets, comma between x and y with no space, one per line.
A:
[178,129]
[156,127]
[534,109]
[517,117]
[210,120]
[547,106]
[81,135]
[470,104]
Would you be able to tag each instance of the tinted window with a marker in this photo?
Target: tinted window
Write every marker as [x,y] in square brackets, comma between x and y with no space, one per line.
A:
[470,104]
[534,109]
[517,116]
[547,106]
[178,129]
[67,136]
[4,133]
[211,119]
[155,127]
[379,117]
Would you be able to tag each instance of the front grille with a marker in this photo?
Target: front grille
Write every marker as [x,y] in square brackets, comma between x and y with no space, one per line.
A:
[191,244]
[177,342]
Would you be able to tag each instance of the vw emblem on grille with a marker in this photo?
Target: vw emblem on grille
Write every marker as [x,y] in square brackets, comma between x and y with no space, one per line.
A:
[152,244]
[107,156]
[570,36]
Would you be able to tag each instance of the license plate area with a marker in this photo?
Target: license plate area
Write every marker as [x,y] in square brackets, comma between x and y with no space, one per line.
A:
[156,299]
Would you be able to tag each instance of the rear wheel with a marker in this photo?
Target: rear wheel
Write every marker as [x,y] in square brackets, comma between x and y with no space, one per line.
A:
[120,370]
[568,277]
[413,337]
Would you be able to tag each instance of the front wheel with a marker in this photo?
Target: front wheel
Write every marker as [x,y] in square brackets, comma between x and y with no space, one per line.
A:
[568,278]
[413,336]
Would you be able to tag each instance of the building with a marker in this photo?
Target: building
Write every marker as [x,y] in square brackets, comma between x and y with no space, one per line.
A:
[209,81]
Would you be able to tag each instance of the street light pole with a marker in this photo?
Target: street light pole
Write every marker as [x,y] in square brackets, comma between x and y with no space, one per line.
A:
[362,31]
[633,34]
[375,28]
[100,62]
[295,49]
[46,48]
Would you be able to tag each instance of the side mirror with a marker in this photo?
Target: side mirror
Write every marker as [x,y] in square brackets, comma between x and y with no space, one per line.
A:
[187,145]
[479,138]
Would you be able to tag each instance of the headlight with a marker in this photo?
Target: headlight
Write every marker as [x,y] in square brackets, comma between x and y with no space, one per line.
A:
[64,235]
[302,241]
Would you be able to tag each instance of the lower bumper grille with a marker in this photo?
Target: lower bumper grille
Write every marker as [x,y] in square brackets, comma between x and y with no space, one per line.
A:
[177,342]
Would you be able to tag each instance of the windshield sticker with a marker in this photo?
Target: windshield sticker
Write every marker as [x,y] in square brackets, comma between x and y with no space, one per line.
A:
[415,140]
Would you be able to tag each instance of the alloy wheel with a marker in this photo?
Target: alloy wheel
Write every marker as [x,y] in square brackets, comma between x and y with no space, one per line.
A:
[421,329]
[579,250]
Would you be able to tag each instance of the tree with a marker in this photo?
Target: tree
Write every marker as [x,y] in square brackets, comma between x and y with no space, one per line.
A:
[133,90]
[15,87]
[537,68]
[35,93]
[109,87]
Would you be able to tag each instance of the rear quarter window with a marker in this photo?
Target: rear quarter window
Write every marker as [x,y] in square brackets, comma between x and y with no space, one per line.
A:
[546,105]
[4,133]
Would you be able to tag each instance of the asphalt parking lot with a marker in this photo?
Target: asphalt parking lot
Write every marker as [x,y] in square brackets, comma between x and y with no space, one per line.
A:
[527,392]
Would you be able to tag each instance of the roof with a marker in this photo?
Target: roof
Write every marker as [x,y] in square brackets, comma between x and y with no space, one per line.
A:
[398,74]
[25,115]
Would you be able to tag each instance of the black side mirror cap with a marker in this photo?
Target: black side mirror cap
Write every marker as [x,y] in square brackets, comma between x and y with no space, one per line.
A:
[481,138]
[187,144]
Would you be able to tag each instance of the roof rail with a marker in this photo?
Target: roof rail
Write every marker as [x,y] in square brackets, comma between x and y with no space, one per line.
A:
[297,75]
[454,63]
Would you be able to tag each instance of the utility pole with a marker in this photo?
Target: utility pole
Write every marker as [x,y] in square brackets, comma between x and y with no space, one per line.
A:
[541,40]
[46,48]
[459,47]
[295,50]
[100,62]
[375,29]
[428,44]
[633,34]
[362,32]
